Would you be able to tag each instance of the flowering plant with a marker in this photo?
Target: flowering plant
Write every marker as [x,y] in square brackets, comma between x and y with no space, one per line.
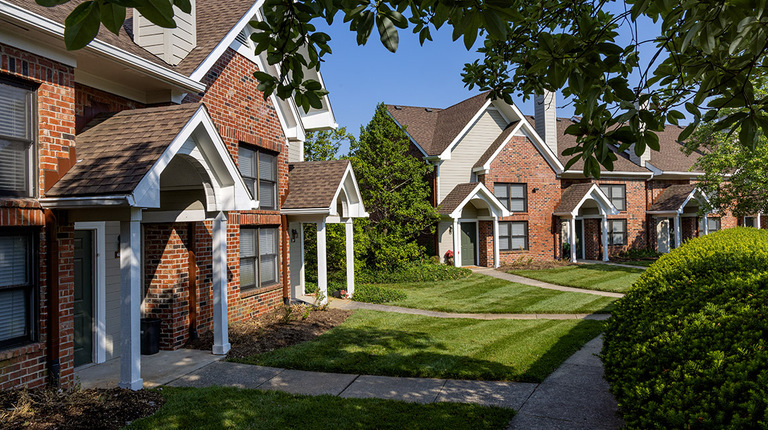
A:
[449,254]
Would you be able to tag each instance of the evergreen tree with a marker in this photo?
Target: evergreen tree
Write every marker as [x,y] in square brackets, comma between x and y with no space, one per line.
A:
[395,193]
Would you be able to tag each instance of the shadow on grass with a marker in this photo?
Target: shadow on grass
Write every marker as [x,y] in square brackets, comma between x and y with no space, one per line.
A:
[218,407]
[523,351]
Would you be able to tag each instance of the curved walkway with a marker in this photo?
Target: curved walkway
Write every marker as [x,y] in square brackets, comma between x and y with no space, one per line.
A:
[352,305]
[541,284]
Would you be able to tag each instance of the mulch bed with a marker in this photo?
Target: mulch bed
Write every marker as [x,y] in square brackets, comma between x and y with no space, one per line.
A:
[275,329]
[45,408]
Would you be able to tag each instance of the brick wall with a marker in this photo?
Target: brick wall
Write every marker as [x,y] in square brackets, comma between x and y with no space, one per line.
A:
[55,96]
[242,115]
[521,162]
[90,102]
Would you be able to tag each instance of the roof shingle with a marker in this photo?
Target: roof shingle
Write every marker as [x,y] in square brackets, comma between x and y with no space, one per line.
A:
[116,151]
[455,197]
[672,198]
[571,197]
[313,184]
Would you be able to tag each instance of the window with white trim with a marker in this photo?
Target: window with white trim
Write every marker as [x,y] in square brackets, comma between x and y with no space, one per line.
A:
[258,257]
[513,196]
[713,224]
[513,236]
[617,232]
[16,139]
[617,194]
[750,221]
[259,169]
[17,288]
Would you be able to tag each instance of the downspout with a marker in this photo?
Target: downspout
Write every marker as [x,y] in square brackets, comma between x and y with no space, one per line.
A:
[192,270]
[52,279]
[284,264]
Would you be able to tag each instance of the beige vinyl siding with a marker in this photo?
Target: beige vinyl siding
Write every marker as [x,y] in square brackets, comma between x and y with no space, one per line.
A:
[295,152]
[458,169]
[170,44]
[446,238]
[112,269]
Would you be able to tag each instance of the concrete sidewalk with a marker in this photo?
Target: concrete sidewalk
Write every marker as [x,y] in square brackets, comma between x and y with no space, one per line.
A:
[534,283]
[420,390]
[352,305]
[574,397]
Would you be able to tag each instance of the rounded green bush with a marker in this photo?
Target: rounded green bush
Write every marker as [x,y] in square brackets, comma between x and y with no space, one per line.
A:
[687,347]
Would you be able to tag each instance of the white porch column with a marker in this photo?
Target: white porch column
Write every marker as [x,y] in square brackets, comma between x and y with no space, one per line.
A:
[678,235]
[706,224]
[349,231]
[605,238]
[322,262]
[130,302]
[572,237]
[758,220]
[220,315]
[456,244]
[496,257]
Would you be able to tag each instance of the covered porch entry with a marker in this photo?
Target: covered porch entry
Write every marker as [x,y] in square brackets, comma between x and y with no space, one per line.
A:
[321,193]
[580,204]
[469,225]
[677,216]
[140,172]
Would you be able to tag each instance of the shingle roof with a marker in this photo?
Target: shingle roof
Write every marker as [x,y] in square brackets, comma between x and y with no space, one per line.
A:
[117,150]
[455,197]
[313,184]
[571,197]
[672,198]
[495,145]
[433,128]
[215,18]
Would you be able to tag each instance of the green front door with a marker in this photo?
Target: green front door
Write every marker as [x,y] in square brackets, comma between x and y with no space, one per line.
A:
[468,244]
[83,297]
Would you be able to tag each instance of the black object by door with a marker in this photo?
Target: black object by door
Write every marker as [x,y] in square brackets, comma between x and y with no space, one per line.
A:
[83,303]
[468,244]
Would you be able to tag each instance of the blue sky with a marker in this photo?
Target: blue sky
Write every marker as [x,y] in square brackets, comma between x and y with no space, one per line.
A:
[359,77]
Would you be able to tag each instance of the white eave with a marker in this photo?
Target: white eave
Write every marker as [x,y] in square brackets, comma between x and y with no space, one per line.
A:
[104,49]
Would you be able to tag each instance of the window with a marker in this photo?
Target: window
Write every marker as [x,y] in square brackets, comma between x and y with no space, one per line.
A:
[258,257]
[617,194]
[513,196]
[259,169]
[750,221]
[17,293]
[617,232]
[713,224]
[513,236]
[16,139]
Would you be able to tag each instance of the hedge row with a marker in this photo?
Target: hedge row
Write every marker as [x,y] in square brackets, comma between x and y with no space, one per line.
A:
[688,346]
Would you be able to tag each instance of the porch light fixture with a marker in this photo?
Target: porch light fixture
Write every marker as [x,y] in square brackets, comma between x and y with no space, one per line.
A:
[294,235]
[534,190]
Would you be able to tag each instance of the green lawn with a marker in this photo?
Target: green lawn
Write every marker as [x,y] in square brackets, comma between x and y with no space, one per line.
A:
[218,408]
[588,276]
[639,263]
[382,343]
[484,294]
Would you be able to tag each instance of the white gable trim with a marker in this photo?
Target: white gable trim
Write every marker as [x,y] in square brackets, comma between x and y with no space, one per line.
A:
[104,49]
[228,185]
[596,194]
[219,50]
[483,193]
[487,166]
[349,185]
[446,154]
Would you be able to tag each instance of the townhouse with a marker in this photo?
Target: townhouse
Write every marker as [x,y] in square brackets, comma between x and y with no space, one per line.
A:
[145,176]
[504,195]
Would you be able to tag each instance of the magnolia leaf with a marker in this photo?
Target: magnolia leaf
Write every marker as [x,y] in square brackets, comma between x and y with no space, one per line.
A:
[387,32]
[112,16]
[81,26]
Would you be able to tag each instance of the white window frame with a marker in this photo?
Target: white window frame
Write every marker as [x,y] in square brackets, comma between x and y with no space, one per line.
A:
[608,189]
[30,140]
[257,180]
[256,259]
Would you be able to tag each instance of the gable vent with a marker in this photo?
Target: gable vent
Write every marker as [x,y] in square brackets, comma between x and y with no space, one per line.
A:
[243,37]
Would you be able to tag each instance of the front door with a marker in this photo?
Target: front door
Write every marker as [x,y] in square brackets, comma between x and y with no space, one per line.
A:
[468,244]
[579,239]
[83,305]
[663,236]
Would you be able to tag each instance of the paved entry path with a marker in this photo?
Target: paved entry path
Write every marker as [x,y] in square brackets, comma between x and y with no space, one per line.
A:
[541,284]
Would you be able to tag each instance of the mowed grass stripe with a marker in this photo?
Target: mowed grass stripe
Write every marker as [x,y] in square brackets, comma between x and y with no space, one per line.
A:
[600,277]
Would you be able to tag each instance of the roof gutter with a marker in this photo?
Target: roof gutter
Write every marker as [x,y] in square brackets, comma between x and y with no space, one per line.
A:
[87,201]
[105,50]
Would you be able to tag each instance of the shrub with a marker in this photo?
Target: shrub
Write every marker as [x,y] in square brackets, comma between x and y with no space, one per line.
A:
[377,294]
[422,271]
[688,346]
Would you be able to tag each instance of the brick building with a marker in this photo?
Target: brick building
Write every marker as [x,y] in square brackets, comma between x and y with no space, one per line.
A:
[503,192]
[146,176]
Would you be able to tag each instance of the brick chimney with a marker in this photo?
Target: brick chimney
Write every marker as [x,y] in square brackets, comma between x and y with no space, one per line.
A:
[170,44]
[546,119]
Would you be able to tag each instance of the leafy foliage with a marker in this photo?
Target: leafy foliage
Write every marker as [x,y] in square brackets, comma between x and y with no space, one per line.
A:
[325,144]
[422,271]
[706,57]
[686,348]
[395,193]
[377,294]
